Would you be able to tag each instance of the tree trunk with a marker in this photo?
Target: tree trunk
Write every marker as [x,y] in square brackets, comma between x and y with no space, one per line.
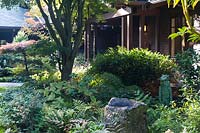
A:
[25,62]
[67,67]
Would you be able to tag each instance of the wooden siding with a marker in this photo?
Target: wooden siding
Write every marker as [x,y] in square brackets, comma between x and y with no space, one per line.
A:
[135,31]
[150,33]
[108,37]
[164,32]
[8,34]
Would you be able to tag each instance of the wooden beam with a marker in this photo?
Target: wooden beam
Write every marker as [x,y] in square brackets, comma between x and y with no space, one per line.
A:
[124,32]
[158,4]
[136,3]
[148,12]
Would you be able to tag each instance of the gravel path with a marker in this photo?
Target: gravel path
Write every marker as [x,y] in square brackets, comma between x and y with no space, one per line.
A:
[8,84]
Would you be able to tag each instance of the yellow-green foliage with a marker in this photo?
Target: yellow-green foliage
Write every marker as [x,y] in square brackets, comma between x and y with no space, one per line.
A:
[46,77]
[2,130]
[21,36]
[19,69]
[2,89]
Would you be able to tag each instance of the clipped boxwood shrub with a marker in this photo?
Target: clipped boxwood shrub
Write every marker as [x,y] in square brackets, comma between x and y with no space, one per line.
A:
[134,67]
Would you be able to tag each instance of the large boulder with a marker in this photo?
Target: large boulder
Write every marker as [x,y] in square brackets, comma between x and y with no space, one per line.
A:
[125,116]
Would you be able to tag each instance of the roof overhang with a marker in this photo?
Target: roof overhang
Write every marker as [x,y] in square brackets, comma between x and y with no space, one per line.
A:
[156,1]
[119,13]
[9,27]
[142,3]
[136,3]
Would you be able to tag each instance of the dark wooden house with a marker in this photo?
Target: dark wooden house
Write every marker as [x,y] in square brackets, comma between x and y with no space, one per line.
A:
[11,22]
[137,24]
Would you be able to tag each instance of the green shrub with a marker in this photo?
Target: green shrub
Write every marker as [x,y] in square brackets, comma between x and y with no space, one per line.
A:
[77,88]
[181,116]
[134,67]
[79,116]
[188,64]
[2,89]
[70,107]
[18,69]
[10,59]
[185,113]
[5,72]
[44,78]
[26,110]
[20,109]
[2,129]
[99,87]
[161,118]
[107,85]
[15,79]
[20,37]
[80,65]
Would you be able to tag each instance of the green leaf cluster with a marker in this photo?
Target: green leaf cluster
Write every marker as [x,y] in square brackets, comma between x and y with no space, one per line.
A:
[194,35]
[107,85]
[21,36]
[188,65]
[134,67]
[20,109]
[184,115]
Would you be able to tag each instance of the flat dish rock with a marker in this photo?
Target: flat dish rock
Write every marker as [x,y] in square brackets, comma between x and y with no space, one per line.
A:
[125,116]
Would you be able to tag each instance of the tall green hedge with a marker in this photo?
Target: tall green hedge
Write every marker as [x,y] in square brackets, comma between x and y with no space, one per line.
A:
[134,67]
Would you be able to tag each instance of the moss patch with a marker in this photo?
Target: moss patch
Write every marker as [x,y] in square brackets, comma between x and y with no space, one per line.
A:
[1,90]
[2,129]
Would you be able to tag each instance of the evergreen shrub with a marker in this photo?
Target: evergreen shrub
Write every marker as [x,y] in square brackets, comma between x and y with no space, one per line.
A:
[134,67]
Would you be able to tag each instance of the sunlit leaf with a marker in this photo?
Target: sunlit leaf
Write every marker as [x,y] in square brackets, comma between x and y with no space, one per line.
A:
[173,35]
[194,3]
[168,2]
[176,3]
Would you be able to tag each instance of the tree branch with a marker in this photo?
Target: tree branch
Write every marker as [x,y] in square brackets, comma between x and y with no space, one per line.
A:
[57,23]
[78,36]
[50,28]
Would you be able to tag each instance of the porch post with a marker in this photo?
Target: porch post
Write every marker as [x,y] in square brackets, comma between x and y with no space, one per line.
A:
[141,31]
[124,32]
[130,32]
